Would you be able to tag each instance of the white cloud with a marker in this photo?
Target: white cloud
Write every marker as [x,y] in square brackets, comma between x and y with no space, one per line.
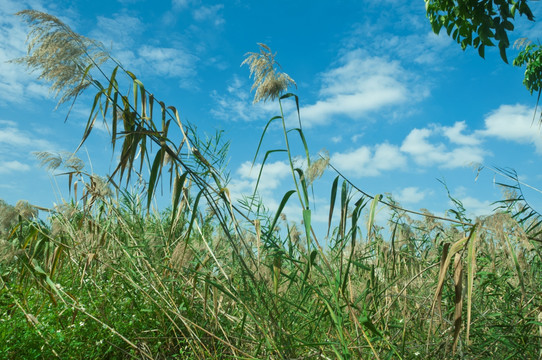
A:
[365,161]
[122,32]
[513,123]
[16,84]
[411,195]
[16,147]
[476,207]
[209,13]
[12,166]
[356,137]
[359,85]
[424,49]
[455,134]
[13,140]
[416,45]
[237,104]
[425,153]
[180,4]
[118,31]
[169,62]
[273,175]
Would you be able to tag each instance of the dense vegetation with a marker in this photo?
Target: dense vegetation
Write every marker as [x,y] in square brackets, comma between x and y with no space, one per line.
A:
[105,276]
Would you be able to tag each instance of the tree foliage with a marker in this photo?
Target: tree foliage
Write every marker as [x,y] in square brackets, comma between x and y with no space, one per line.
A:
[531,57]
[477,23]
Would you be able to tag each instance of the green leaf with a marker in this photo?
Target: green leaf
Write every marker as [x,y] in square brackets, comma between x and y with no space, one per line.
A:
[194,214]
[260,172]
[178,186]
[372,212]
[332,202]
[261,138]
[279,211]
[502,51]
[481,51]
[307,223]
[155,175]
[303,187]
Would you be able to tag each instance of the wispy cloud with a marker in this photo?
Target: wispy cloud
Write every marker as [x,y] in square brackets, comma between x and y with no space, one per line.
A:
[16,84]
[119,31]
[180,4]
[7,167]
[169,62]
[425,146]
[447,147]
[402,31]
[13,140]
[421,49]
[210,13]
[16,146]
[236,104]
[122,33]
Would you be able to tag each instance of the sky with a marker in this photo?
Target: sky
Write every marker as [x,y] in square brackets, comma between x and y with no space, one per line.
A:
[399,109]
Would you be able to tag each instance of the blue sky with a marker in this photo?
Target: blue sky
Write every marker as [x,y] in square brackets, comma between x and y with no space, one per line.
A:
[396,106]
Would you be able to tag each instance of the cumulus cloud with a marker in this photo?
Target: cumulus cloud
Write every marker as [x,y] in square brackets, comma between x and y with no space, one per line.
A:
[411,195]
[426,153]
[246,176]
[456,136]
[513,123]
[476,207]
[366,161]
[358,85]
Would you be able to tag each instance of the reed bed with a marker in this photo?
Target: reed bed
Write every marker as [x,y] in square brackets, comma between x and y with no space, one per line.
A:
[106,276]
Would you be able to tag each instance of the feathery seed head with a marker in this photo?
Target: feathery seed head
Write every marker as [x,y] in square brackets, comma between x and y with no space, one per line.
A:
[317,168]
[26,210]
[99,187]
[59,54]
[269,82]
[53,161]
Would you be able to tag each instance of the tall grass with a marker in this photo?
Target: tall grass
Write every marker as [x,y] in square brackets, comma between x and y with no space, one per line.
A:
[109,277]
